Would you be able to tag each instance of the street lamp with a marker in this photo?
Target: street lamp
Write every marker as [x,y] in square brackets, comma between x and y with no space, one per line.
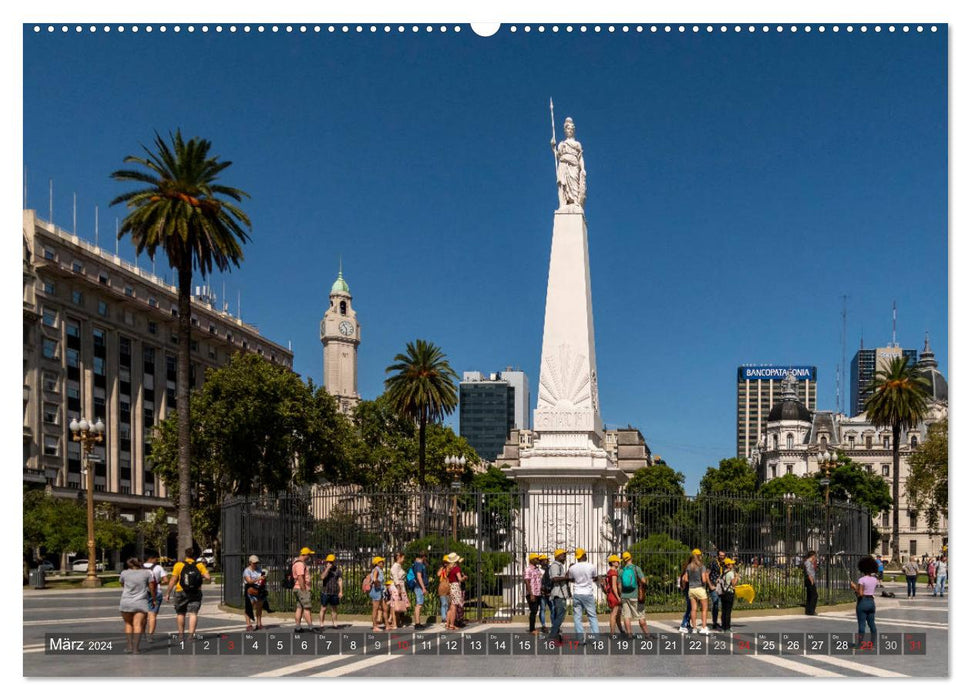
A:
[89,435]
[827,464]
[455,466]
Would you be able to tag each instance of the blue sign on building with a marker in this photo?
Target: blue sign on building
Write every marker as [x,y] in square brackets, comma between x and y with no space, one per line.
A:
[776,372]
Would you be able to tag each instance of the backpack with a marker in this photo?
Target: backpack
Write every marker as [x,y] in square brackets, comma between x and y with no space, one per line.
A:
[546,585]
[190,578]
[628,578]
[410,580]
[366,583]
[288,579]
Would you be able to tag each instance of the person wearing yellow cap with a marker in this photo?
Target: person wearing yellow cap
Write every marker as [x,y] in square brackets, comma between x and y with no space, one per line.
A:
[545,606]
[532,579]
[631,578]
[716,569]
[726,592]
[583,574]
[331,589]
[301,589]
[696,578]
[376,593]
[612,589]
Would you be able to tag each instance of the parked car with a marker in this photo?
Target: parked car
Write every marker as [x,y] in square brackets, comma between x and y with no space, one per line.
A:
[207,557]
[82,565]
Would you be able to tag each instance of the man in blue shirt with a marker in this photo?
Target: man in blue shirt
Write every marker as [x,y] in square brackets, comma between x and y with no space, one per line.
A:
[421,587]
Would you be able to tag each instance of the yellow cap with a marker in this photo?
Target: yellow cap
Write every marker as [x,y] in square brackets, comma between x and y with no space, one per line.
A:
[533,557]
[389,582]
[445,558]
[625,555]
[613,558]
[330,557]
[581,552]
[377,560]
[696,552]
[729,560]
[307,550]
[558,552]
[542,557]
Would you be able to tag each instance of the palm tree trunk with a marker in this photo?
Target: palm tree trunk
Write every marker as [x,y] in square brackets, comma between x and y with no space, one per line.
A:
[182,405]
[895,536]
[421,453]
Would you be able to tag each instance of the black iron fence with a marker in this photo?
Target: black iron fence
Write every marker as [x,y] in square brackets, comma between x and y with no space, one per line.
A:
[496,531]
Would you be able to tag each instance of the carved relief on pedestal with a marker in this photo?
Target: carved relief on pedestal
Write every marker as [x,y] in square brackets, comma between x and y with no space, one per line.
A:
[559,528]
[564,380]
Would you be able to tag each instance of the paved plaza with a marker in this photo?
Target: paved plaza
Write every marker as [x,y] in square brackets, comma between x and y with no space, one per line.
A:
[72,614]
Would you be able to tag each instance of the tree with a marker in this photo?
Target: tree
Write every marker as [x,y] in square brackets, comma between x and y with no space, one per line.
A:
[726,497]
[899,402]
[803,487]
[109,531]
[655,494]
[180,208]
[155,531]
[422,388]
[52,524]
[733,477]
[927,483]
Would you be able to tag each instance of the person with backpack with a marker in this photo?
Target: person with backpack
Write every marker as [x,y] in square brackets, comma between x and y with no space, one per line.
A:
[186,581]
[696,578]
[373,585]
[331,589]
[416,581]
[631,577]
[545,606]
[715,570]
[254,582]
[583,575]
[300,572]
[725,589]
[443,590]
[931,572]
[532,579]
[611,586]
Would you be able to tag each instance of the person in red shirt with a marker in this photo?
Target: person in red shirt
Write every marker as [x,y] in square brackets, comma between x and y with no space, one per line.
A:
[301,589]
[455,578]
[612,585]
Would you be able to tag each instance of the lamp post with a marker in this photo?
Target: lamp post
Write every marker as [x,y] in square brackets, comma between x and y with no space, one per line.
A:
[827,464]
[89,435]
[788,498]
[455,466]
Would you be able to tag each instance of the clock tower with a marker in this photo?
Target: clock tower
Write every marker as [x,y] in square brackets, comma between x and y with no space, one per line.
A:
[340,335]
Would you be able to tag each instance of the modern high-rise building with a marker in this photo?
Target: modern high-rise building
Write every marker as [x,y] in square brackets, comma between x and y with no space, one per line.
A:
[100,341]
[340,334]
[490,407]
[866,363]
[759,387]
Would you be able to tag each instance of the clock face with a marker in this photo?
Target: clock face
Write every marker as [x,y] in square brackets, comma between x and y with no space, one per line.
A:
[346,328]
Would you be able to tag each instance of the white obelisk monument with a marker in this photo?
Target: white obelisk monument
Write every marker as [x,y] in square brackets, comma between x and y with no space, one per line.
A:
[570,477]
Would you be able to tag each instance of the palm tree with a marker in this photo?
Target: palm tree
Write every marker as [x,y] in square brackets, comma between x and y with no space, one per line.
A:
[180,209]
[898,401]
[423,389]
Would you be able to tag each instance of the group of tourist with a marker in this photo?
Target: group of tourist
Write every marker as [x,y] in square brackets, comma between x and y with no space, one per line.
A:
[710,588]
[141,596]
[937,575]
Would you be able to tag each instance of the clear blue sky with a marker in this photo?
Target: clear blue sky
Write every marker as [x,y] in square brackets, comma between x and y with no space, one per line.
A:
[738,185]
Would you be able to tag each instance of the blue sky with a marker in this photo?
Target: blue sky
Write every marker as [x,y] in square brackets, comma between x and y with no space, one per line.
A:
[738,185]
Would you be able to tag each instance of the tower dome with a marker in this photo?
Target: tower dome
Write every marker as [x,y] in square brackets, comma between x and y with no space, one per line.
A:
[927,368]
[789,407]
[339,284]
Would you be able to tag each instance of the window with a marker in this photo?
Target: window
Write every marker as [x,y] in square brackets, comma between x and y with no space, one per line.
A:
[52,413]
[913,521]
[49,254]
[50,382]
[775,442]
[175,310]
[99,365]
[886,470]
[129,292]
[102,308]
[174,339]
[245,345]
[103,277]
[153,327]
[153,302]
[49,288]
[51,445]
[774,472]
[129,318]
[72,357]
[788,469]
[73,328]
[212,353]
[77,267]
[789,441]
[913,442]
[886,548]
[343,308]
[886,442]
[913,548]
[50,349]
[77,297]
[869,442]
[852,440]
[212,328]
[822,441]
[50,317]
[886,519]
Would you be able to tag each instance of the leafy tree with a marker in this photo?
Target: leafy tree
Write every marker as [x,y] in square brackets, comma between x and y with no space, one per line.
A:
[733,477]
[498,504]
[180,208]
[660,558]
[927,483]
[53,524]
[899,402]
[656,496]
[803,487]
[109,531]
[155,531]
[422,388]
[657,478]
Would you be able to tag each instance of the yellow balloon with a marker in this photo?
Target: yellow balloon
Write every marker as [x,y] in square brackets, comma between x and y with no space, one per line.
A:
[745,592]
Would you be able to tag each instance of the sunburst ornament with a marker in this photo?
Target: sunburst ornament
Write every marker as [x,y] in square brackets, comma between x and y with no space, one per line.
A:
[565,382]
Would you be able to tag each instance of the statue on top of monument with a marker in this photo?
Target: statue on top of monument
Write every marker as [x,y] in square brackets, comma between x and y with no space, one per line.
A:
[571,173]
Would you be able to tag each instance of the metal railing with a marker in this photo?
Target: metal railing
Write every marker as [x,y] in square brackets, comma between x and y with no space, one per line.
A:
[496,531]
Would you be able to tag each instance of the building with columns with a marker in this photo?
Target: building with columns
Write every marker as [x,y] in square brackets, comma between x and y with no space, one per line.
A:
[340,334]
[795,438]
[100,340]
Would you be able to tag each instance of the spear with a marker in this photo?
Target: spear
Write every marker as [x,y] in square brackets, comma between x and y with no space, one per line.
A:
[553,127]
